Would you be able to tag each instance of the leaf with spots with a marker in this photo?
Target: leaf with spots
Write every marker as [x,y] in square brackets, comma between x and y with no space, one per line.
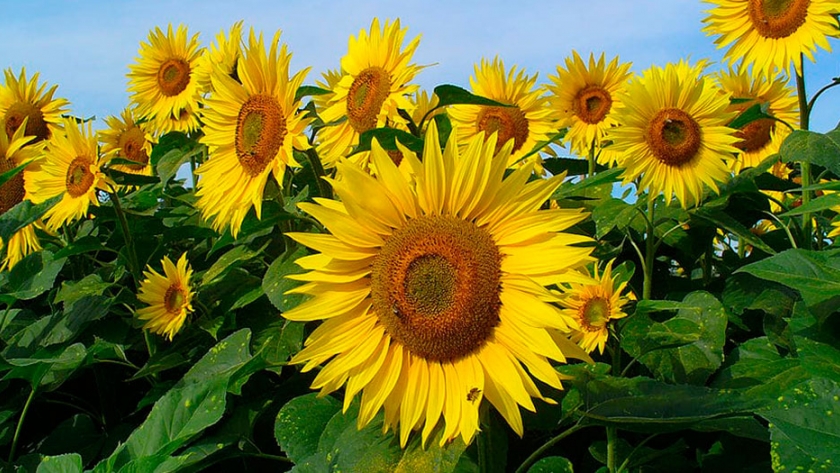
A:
[300,423]
[275,284]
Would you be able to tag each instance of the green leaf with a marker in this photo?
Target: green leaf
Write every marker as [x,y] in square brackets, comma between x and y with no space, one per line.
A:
[805,428]
[48,367]
[816,148]
[301,421]
[174,140]
[170,162]
[72,291]
[825,202]
[568,189]
[130,179]
[34,275]
[23,214]
[275,283]
[308,90]
[552,465]
[751,114]
[815,274]
[69,463]
[571,166]
[387,138]
[76,434]
[614,213]
[232,259]
[454,95]
[279,341]
[687,348]
[719,217]
[8,175]
[83,245]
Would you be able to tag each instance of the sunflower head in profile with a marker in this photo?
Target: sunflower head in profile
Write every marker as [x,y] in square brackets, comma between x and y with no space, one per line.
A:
[70,168]
[770,34]
[223,54]
[14,151]
[168,296]
[594,304]
[375,80]
[128,139]
[763,137]
[162,82]
[673,133]
[250,129]
[584,96]
[526,120]
[433,294]
[25,100]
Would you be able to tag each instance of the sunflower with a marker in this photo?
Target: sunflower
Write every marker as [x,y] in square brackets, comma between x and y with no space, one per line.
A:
[527,121]
[15,151]
[224,54]
[425,106]
[763,137]
[373,87]
[163,80]
[127,139]
[70,168]
[584,96]
[250,130]
[594,304]
[169,297]
[772,33]
[673,133]
[25,100]
[433,294]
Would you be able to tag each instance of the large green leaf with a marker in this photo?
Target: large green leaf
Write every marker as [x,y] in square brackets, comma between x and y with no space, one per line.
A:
[816,148]
[805,428]
[552,465]
[228,261]
[301,421]
[387,138]
[615,213]
[8,175]
[815,274]
[34,275]
[24,214]
[275,284]
[686,348]
[68,463]
[48,367]
[453,95]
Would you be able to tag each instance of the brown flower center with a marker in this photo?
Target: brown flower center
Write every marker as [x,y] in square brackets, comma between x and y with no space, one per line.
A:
[366,96]
[778,18]
[509,122]
[35,126]
[173,76]
[673,137]
[260,131]
[174,299]
[592,103]
[755,135]
[132,142]
[595,314]
[396,156]
[79,178]
[11,192]
[435,287]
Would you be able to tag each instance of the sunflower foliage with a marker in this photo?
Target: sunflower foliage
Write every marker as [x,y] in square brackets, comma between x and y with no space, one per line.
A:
[249,267]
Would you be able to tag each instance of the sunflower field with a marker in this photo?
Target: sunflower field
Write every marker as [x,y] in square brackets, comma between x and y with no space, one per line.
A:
[254,268]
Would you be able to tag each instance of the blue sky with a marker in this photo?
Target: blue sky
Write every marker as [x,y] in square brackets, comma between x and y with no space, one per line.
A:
[86,47]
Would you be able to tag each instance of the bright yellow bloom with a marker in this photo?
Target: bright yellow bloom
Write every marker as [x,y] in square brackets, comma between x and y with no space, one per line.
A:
[432,294]
[763,137]
[594,304]
[70,168]
[250,129]
[127,139]
[169,297]
[673,133]
[163,81]
[223,54]
[584,97]
[527,122]
[374,85]
[770,34]
[25,100]
[15,151]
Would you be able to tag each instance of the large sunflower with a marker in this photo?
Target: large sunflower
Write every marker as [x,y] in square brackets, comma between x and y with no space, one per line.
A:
[432,294]
[584,96]
[224,54]
[527,121]
[373,87]
[25,100]
[250,129]
[772,33]
[163,80]
[762,137]
[594,304]
[127,139]
[15,151]
[70,168]
[169,297]
[673,133]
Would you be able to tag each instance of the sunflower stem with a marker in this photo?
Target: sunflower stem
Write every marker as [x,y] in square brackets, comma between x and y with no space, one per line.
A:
[485,443]
[612,440]
[591,169]
[20,424]
[324,189]
[805,166]
[133,265]
[650,251]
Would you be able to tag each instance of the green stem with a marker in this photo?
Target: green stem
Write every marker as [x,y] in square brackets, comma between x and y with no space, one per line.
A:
[553,441]
[805,167]
[612,440]
[650,252]
[133,263]
[20,425]
[484,444]
[591,168]
[324,189]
